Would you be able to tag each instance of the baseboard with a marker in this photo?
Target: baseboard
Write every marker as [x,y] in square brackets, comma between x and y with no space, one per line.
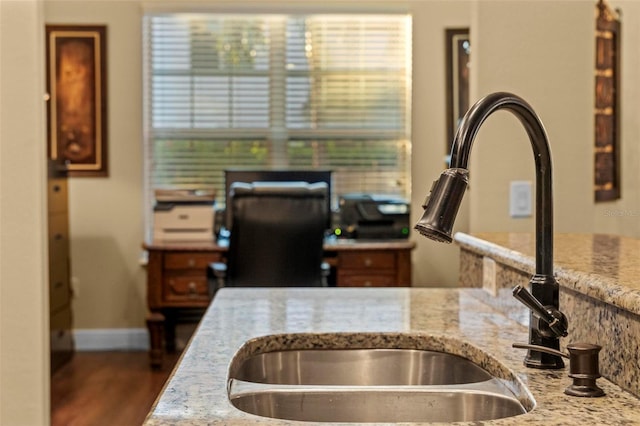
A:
[111,339]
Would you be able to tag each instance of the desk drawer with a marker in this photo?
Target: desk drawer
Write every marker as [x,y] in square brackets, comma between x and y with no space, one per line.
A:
[366,280]
[58,196]
[190,260]
[186,288]
[368,260]
[61,337]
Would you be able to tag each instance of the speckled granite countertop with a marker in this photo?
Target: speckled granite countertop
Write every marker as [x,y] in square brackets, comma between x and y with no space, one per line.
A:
[604,267]
[453,320]
[599,279]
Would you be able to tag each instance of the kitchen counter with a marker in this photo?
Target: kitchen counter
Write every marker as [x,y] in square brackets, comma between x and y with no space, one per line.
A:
[196,393]
[599,280]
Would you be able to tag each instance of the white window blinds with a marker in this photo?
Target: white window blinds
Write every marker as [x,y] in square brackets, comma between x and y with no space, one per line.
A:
[277,91]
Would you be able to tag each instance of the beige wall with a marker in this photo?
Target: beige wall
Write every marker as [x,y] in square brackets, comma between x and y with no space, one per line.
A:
[24,336]
[623,216]
[434,264]
[545,53]
[106,217]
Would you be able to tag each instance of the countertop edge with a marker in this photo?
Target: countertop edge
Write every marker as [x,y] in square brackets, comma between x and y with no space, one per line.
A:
[596,286]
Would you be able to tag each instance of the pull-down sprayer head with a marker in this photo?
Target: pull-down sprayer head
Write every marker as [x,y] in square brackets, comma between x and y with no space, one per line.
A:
[442,204]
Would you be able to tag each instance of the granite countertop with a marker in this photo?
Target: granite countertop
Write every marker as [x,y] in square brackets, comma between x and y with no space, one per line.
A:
[604,267]
[453,320]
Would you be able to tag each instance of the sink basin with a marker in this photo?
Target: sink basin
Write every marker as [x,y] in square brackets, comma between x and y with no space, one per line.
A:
[372,377]
[381,405]
[362,367]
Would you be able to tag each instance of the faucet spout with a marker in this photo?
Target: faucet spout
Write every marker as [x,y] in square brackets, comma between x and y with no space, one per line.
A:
[446,194]
[461,151]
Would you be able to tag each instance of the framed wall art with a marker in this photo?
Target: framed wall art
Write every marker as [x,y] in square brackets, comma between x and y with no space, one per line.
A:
[607,105]
[77,97]
[458,51]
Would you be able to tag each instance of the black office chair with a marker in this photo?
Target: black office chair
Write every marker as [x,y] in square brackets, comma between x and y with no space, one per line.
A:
[277,235]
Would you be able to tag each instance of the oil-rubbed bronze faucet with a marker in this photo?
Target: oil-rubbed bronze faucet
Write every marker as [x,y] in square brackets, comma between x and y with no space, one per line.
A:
[446,194]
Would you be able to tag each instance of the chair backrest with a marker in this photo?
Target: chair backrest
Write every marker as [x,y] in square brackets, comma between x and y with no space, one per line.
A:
[277,234]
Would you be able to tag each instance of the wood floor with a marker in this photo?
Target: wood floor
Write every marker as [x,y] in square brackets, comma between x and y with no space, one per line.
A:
[106,389]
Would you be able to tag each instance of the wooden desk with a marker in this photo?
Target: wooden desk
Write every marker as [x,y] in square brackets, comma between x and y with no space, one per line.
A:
[177,278]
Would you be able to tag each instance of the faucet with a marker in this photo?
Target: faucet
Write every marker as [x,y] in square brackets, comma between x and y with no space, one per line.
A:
[443,202]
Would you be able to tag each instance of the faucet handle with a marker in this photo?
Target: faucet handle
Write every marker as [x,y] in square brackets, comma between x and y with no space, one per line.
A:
[555,319]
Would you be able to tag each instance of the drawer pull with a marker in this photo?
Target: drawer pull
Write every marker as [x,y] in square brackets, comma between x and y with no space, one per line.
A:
[56,188]
[192,262]
[368,262]
[182,290]
[367,283]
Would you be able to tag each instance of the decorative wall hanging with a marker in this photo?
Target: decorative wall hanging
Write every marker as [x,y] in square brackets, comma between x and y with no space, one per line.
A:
[607,104]
[77,106]
[458,49]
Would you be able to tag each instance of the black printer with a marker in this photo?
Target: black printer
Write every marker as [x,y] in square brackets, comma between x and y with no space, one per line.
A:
[371,216]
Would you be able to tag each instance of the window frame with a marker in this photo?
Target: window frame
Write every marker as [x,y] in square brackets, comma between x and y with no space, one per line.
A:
[269,137]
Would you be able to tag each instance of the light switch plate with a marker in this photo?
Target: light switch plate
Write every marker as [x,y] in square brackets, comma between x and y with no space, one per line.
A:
[520,199]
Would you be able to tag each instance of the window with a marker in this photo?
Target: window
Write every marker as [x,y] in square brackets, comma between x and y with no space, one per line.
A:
[277,91]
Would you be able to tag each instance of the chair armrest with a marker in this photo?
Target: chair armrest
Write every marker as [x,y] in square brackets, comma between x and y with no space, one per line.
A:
[219,269]
[325,269]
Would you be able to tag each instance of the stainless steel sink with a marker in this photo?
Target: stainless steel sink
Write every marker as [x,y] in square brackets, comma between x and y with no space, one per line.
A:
[379,405]
[362,367]
[366,378]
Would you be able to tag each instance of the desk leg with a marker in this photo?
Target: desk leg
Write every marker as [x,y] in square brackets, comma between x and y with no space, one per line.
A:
[170,320]
[155,325]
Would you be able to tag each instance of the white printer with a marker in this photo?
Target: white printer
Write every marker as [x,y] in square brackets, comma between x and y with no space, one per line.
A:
[184,214]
